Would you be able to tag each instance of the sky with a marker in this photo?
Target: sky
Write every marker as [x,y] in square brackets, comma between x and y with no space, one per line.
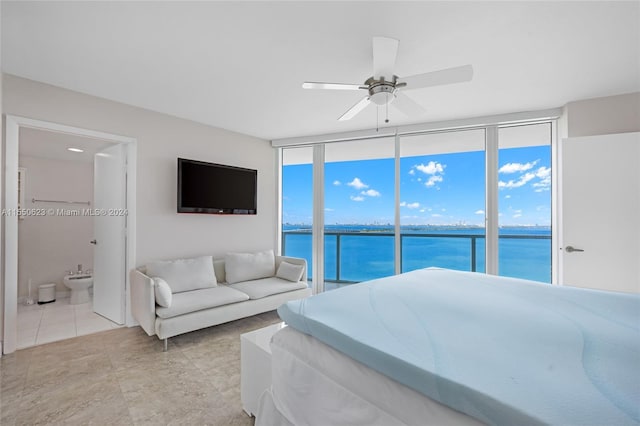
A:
[444,189]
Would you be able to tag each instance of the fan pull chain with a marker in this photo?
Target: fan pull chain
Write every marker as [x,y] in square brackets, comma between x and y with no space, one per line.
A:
[377,117]
[386,120]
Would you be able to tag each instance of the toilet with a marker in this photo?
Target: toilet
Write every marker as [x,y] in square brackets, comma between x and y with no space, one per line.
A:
[79,285]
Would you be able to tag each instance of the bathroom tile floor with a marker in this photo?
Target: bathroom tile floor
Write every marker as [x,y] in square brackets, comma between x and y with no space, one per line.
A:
[122,377]
[38,324]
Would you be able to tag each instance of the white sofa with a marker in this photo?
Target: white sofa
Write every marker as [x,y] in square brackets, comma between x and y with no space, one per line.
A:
[174,297]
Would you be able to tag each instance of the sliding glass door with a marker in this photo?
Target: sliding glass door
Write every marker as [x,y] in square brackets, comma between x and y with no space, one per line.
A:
[442,200]
[297,204]
[524,191]
[359,211]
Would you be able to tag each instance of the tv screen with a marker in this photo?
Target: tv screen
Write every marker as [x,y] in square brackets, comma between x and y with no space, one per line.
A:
[215,188]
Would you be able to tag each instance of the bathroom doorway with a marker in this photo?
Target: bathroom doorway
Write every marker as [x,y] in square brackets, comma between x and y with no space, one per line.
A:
[71,188]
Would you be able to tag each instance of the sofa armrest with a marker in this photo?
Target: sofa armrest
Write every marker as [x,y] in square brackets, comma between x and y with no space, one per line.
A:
[143,301]
[295,261]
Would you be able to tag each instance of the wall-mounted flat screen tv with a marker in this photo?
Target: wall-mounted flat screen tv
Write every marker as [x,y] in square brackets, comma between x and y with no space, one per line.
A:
[215,188]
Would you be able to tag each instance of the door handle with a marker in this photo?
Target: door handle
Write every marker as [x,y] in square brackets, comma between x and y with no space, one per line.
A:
[571,249]
[94,242]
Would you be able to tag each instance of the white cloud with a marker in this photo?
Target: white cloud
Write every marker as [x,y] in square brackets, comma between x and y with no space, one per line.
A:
[358,184]
[329,210]
[357,198]
[517,167]
[479,211]
[423,210]
[433,180]
[371,193]
[517,215]
[524,179]
[431,168]
[410,205]
[412,172]
[436,215]
[544,173]
[507,196]
[337,183]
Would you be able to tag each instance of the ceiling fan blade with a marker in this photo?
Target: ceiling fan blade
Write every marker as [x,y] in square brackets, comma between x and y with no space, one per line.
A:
[354,110]
[332,86]
[437,78]
[407,106]
[384,57]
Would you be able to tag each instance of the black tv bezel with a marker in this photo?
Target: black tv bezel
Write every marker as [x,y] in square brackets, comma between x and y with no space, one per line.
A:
[211,210]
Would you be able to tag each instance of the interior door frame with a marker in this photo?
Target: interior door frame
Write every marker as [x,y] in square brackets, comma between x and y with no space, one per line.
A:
[9,250]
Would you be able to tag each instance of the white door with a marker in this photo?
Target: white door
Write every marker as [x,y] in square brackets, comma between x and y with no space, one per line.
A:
[109,233]
[600,212]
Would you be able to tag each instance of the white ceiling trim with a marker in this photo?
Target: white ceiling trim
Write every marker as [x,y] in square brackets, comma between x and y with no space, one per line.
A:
[439,126]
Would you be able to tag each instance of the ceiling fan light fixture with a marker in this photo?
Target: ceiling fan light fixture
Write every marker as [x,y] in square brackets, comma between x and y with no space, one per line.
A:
[381,98]
[381,92]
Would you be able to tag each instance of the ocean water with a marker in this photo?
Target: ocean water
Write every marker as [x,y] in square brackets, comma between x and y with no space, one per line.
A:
[357,253]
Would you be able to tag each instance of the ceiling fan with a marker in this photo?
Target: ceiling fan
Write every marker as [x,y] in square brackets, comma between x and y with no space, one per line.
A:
[385,88]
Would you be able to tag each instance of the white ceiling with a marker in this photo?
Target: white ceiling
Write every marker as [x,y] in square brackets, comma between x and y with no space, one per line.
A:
[240,65]
[53,145]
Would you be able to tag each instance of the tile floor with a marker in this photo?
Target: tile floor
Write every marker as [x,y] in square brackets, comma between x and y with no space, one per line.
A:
[50,322]
[122,377]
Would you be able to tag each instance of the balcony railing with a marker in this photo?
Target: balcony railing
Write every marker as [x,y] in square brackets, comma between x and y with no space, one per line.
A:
[475,251]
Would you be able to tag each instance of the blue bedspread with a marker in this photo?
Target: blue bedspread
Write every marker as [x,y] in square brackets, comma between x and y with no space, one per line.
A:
[502,350]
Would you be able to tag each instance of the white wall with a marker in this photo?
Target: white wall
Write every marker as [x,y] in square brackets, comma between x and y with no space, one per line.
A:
[51,244]
[603,116]
[161,232]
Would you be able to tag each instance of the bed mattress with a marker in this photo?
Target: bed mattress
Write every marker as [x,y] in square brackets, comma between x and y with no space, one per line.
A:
[502,350]
[314,384]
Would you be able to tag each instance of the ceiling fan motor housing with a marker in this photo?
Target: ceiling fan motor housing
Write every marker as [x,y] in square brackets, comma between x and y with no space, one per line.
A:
[381,91]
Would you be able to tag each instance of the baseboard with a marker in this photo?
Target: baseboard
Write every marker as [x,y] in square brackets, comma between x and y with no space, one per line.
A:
[62,294]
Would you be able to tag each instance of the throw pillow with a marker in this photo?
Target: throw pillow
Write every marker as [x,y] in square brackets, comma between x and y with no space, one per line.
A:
[249,266]
[289,271]
[163,292]
[185,274]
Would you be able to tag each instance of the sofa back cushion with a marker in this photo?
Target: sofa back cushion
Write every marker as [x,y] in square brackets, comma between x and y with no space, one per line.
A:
[185,274]
[249,266]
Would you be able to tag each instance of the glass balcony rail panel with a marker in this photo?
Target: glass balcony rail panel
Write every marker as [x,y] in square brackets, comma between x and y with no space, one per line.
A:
[330,258]
[525,257]
[480,254]
[298,244]
[366,256]
[442,251]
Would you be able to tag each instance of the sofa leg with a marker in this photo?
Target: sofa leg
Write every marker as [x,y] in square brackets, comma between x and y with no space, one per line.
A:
[166,345]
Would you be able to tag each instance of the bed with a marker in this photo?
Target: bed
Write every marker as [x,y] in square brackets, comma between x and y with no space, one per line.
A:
[436,346]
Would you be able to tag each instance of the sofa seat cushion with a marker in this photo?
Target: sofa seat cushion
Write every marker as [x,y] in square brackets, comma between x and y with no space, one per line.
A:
[197,300]
[257,289]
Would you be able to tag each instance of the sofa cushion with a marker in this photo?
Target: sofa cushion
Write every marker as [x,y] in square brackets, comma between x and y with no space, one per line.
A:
[185,274]
[197,300]
[162,292]
[289,271]
[249,266]
[257,289]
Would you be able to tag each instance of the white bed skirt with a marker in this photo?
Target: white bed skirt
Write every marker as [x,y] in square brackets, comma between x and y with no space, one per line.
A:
[313,384]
